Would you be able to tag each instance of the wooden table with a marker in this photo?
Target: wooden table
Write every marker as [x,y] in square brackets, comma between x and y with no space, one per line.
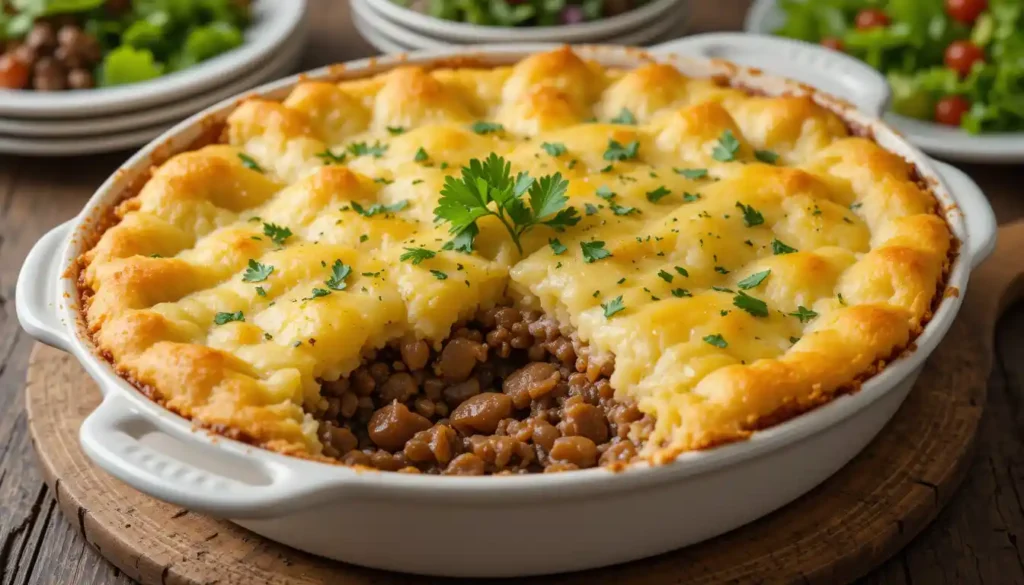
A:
[978,538]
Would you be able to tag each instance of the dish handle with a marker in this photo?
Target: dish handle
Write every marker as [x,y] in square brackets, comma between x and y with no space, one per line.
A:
[830,71]
[219,480]
[979,218]
[35,294]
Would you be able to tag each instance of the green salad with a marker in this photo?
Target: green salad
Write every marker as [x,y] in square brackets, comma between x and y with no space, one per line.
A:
[52,45]
[521,12]
[956,62]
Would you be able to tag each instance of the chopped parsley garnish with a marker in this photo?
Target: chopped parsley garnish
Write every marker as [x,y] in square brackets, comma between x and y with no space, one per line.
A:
[842,301]
[724,289]
[721,270]
[621,209]
[278,233]
[339,272]
[439,275]
[608,168]
[557,246]
[395,130]
[751,216]
[376,150]
[690,197]
[463,242]
[594,251]
[755,307]
[260,291]
[779,248]
[464,201]
[256,272]
[482,127]
[249,162]
[658,194]
[416,255]
[382,180]
[329,158]
[605,193]
[753,280]
[617,151]
[554,148]
[766,156]
[680,293]
[222,318]
[624,117]
[804,314]
[613,306]
[855,206]
[378,208]
[317,293]
[794,339]
[666,276]
[421,155]
[589,208]
[726,148]
[716,340]
[682,271]
[691,173]
[363,237]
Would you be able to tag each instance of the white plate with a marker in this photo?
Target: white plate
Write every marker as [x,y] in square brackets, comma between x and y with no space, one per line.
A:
[461,32]
[178,110]
[283,64]
[392,38]
[765,16]
[274,22]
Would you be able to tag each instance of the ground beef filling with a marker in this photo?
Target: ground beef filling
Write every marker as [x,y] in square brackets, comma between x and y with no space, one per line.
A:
[507,393]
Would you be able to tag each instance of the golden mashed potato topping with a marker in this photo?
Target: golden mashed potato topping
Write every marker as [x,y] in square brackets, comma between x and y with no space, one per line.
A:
[740,256]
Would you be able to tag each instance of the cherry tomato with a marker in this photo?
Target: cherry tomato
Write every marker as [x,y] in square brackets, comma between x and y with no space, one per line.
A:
[962,55]
[966,11]
[871,18]
[950,110]
[833,43]
[14,73]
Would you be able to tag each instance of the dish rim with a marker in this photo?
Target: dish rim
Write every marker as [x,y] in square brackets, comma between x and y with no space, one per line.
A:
[326,476]
[931,137]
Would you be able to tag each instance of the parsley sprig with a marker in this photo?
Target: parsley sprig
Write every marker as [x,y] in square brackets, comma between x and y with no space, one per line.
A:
[465,200]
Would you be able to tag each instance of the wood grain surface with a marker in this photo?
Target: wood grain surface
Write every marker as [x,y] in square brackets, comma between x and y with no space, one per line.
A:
[977,539]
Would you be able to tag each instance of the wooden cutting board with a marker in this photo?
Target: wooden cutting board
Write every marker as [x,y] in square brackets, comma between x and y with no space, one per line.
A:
[836,533]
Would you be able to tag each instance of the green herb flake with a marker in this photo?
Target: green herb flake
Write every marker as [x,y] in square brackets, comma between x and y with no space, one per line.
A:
[376,150]
[483,127]
[682,271]
[680,293]
[779,248]
[594,251]
[279,234]
[658,194]
[556,246]
[624,117]
[803,314]
[754,306]
[726,148]
[605,193]
[724,289]
[223,318]
[753,280]
[721,270]
[617,151]
[396,130]
[261,291]
[416,255]
[317,293]
[421,155]
[329,158]
[751,216]
[666,276]
[690,197]
[589,208]
[378,208]
[716,340]
[613,306]
[439,275]
[692,174]
[621,209]
[766,156]
[256,272]
[339,272]
[363,238]
[555,149]
[250,163]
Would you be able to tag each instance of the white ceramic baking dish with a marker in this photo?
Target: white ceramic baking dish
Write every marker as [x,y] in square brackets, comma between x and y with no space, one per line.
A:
[517,525]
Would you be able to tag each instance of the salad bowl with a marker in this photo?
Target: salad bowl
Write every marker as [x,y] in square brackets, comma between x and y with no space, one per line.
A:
[521,525]
[765,17]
